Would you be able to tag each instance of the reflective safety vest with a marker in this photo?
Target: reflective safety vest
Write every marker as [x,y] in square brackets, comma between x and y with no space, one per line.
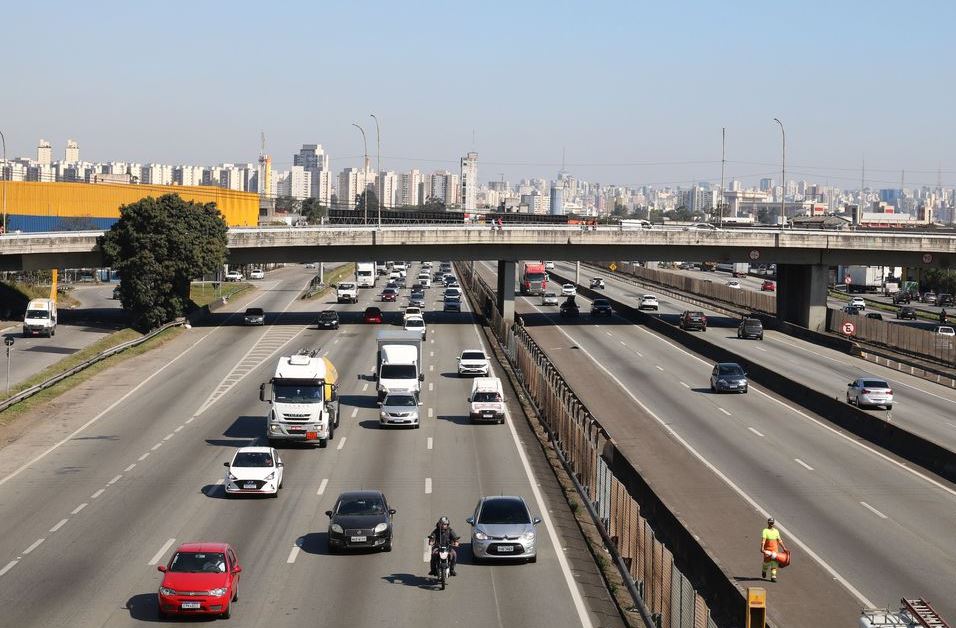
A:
[771,538]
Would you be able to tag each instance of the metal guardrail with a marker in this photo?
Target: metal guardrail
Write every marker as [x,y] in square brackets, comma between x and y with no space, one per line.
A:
[129,344]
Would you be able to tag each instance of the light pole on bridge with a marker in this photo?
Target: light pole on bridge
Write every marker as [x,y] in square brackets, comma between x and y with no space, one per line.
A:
[365,167]
[378,153]
[783,174]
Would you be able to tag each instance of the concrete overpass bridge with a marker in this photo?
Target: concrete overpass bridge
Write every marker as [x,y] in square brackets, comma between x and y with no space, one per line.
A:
[802,256]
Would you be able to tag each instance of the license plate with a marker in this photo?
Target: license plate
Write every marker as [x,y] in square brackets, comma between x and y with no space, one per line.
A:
[249,485]
[296,430]
[189,605]
[359,539]
[505,548]
[311,435]
[488,415]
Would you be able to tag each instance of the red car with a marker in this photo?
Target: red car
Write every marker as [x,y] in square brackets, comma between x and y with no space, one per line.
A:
[372,315]
[768,286]
[390,294]
[200,579]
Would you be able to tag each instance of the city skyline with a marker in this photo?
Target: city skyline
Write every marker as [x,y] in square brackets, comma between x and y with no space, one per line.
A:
[634,95]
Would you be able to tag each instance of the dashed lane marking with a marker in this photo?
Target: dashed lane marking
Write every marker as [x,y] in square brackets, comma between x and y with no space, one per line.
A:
[803,464]
[354,412]
[431,386]
[293,553]
[659,367]
[426,555]
[156,446]
[428,486]
[685,384]
[179,428]
[365,387]
[79,508]
[342,443]
[129,468]
[143,457]
[428,442]
[162,550]
[32,547]
[97,493]
[59,525]
[13,564]
[755,432]
[874,510]
[114,480]
[724,411]
[430,412]
[322,485]
[168,436]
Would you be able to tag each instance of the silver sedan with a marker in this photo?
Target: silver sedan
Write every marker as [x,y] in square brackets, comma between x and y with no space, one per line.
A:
[868,391]
[503,528]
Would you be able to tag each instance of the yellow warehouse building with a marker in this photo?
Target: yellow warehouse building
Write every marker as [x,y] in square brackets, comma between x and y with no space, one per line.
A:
[37,207]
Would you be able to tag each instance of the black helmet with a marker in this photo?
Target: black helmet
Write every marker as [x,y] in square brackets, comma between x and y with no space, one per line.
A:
[770,521]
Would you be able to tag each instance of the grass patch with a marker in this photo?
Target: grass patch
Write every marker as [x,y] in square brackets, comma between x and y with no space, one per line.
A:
[116,338]
[204,293]
[333,278]
[33,291]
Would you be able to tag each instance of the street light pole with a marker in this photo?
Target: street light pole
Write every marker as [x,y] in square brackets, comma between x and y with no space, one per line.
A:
[4,140]
[720,201]
[381,184]
[783,174]
[365,166]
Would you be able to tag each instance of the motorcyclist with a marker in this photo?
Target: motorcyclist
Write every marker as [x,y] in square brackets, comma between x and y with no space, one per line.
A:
[443,534]
[942,317]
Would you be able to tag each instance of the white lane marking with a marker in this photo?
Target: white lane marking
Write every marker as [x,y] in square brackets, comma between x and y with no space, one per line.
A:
[354,412]
[292,554]
[433,341]
[162,550]
[760,349]
[426,555]
[583,617]
[156,446]
[803,464]
[429,442]
[431,386]
[609,334]
[179,428]
[755,432]
[129,468]
[430,412]
[143,457]
[951,424]
[622,342]
[342,443]
[685,384]
[322,485]
[114,480]
[428,486]
[59,525]
[431,354]
[97,493]
[659,367]
[713,469]
[874,510]
[724,411]
[336,341]
[431,367]
[220,481]
[365,387]
[13,564]
[79,508]
[35,545]
[190,419]
[122,399]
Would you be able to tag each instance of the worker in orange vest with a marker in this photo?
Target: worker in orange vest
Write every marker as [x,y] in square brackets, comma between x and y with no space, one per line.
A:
[770,544]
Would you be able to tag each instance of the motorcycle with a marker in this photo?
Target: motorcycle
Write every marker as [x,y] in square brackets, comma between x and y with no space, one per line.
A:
[444,564]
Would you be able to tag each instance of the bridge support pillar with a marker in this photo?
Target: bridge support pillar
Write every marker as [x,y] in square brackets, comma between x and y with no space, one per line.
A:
[802,295]
[506,290]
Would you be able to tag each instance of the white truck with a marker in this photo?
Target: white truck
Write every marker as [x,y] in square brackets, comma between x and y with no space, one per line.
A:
[487,400]
[365,275]
[40,318]
[304,400]
[398,365]
[346,292]
[868,278]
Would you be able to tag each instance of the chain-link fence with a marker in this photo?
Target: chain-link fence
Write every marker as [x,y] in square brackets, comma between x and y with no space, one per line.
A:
[581,440]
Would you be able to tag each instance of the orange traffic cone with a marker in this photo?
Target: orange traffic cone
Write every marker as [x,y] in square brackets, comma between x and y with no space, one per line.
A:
[781,556]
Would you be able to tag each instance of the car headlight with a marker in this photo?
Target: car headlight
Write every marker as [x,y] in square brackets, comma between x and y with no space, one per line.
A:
[336,528]
[383,415]
[232,478]
[382,527]
[480,536]
[528,537]
[221,591]
[166,591]
[271,476]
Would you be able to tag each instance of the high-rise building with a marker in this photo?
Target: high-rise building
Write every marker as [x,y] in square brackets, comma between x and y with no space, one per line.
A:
[300,183]
[352,182]
[388,189]
[469,181]
[410,192]
[445,187]
[72,152]
[157,174]
[314,160]
[766,185]
[44,153]
[557,198]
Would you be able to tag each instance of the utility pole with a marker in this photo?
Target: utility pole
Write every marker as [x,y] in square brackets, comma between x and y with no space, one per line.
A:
[381,184]
[783,175]
[8,341]
[4,230]
[720,201]
[365,166]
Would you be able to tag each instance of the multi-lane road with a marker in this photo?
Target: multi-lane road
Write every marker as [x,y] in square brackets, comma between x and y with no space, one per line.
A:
[131,467]
[876,525]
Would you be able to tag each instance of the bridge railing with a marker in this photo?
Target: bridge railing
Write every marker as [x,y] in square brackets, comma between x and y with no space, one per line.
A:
[587,451]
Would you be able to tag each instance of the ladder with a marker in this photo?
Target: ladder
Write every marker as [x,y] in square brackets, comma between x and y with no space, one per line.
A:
[925,614]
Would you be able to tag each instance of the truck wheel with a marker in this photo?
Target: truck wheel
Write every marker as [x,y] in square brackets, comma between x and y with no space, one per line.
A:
[323,443]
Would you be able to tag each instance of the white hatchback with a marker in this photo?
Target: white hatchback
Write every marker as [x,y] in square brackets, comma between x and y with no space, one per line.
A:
[568,290]
[649,302]
[254,470]
[415,323]
[473,362]
[858,302]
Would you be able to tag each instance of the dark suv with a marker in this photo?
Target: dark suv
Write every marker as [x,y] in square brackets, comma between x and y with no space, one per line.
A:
[601,307]
[693,319]
[903,296]
[569,308]
[750,328]
[328,319]
[907,312]
[943,299]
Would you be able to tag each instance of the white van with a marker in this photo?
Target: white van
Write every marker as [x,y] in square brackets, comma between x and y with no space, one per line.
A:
[40,319]
[487,400]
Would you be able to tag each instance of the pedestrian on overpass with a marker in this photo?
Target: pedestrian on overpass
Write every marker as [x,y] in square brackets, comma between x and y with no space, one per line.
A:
[770,544]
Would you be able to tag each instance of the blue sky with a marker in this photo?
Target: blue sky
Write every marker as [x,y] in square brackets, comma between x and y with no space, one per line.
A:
[637,92]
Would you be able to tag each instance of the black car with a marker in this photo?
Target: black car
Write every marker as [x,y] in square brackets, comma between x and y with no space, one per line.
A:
[750,328]
[902,297]
[875,316]
[569,308]
[452,304]
[728,377]
[328,319]
[943,299]
[360,520]
[693,319]
[254,316]
[597,283]
[907,312]
[601,307]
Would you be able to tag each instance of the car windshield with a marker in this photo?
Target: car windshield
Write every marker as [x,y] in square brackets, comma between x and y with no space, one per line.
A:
[346,286]
[398,371]
[414,322]
[412,311]
[373,311]
[389,291]
[503,511]
[550,294]
[752,322]
[402,401]
[361,506]
[37,314]
[254,311]
[198,562]
[451,292]
[535,276]
[285,393]
[472,355]
[875,383]
[486,397]
[649,297]
[601,303]
[731,370]
[253,459]
[327,316]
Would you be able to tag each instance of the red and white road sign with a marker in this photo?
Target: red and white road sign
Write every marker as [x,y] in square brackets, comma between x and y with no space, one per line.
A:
[848,280]
[849,328]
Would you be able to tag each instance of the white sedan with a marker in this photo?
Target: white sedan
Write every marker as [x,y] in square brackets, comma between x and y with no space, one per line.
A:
[254,470]
[257,273]
[649,302]
[858,302]
[568,290]
[473,362]
[411,311]
[734,284]
[415,323]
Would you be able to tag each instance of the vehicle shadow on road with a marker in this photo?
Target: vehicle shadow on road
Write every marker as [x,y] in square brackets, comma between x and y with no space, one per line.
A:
[214,491]
[359,401]
[457,419]
[411,580]
[243,432]
[143,607]
[704,391]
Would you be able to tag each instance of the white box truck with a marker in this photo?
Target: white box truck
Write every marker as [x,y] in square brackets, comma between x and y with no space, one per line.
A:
[487,400]
[398,365]
[40,318]
[304,400]
[365,275]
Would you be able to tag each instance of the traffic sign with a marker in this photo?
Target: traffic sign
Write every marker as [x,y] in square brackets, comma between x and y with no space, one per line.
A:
[848,280]
[755,254]
[612,267]
[8,341]
[849,328]
[927,258]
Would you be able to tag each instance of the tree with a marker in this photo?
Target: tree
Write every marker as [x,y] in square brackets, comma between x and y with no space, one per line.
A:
[367,198]
[620,210]
[313,211]
[434,204]
[159,245]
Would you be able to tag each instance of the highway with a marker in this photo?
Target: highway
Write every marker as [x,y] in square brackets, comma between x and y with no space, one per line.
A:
[135,468]
[876,524]
[920,406]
